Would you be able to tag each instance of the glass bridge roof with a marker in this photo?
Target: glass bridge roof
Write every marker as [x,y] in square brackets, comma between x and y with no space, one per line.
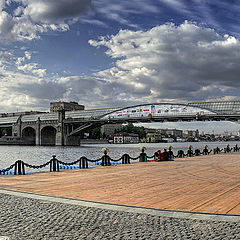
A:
[229,107]
[220,107]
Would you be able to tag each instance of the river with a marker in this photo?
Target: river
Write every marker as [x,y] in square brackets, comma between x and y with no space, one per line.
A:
[37,155]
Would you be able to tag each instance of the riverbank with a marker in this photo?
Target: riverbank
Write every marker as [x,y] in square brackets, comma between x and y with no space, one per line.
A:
[93,141]
[199,184]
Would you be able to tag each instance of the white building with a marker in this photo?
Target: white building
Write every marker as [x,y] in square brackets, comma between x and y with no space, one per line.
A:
[126,138]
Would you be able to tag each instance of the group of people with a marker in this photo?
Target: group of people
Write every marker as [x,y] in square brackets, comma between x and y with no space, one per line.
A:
[163,156]
[168,155]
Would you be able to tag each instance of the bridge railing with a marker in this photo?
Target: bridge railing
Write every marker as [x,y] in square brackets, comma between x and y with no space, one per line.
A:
[55,165]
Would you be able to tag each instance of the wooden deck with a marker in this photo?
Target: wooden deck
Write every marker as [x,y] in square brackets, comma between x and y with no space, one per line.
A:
[201,184]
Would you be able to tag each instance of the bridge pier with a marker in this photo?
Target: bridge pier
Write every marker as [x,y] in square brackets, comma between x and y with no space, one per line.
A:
[60,128]
[38,132]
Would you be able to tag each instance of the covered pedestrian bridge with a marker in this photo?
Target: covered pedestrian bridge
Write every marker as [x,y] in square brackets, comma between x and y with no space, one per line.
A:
[158,112]
[63,128]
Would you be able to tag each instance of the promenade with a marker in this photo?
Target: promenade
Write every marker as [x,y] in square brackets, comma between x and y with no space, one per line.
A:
[205,184]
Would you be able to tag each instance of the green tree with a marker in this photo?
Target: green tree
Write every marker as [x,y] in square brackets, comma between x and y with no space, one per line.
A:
[96,133]
[130,128]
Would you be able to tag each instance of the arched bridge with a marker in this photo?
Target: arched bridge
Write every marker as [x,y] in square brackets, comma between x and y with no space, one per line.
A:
[63,128]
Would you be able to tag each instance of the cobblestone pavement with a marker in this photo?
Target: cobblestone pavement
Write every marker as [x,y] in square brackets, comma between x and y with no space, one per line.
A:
[26,218]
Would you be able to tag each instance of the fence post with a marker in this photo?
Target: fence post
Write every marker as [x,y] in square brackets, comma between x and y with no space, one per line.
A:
[180,153]
[190,151]
[83,163]
[19,168]
[125,159]
[143,157]
[106,160]
[54,164]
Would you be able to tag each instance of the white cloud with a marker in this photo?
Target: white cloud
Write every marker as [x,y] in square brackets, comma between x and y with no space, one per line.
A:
[33,17]
[169,62]
[5,58]
[55,10]
[120,10]
[33,68]
[29,67]
[28,55]
[166,63]
[6,23]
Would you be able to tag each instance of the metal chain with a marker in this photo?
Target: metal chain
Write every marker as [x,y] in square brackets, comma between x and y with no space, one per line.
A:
[7,169]
[92,161]
[116,160]
[37,167]
[96,160]
[68,164]
[150,156]
[135,158]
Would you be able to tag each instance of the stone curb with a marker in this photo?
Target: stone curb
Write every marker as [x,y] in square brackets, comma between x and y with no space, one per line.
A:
[126,208]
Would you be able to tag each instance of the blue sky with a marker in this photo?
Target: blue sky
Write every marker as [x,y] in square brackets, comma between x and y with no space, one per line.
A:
[104,53]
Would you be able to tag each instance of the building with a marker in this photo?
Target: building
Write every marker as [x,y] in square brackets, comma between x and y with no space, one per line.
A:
[191,133]
[154,137]
[174,132]
[67,106]
[126,138]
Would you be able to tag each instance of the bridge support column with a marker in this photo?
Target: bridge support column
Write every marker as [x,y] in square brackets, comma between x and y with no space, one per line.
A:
[60,128]
[17,128]
[38,132]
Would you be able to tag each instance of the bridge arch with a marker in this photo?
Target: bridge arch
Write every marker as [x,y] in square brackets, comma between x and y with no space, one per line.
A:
[29,135]
[48,136]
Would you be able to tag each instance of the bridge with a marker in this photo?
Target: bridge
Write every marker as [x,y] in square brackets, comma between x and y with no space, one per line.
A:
[64,128]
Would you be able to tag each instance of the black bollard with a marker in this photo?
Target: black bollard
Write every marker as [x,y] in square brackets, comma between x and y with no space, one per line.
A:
[143,157]
[83,163]
[54,164]
[205,150]
[106,160]
[236,148]
[19,168]
[190,151]
[125,159]
[197,152]
[180,153]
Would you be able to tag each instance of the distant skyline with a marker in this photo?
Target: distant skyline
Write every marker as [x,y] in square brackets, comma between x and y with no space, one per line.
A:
[105,53]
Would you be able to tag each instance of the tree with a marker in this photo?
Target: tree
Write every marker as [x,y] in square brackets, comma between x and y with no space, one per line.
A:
[130,128]
[96,133]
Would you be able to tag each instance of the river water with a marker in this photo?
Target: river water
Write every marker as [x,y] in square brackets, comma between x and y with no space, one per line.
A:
[37,155]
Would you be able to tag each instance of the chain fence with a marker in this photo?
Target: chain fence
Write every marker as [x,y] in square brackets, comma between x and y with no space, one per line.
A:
[18,168]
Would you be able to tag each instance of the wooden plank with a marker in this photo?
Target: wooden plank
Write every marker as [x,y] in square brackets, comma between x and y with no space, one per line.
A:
[204,184]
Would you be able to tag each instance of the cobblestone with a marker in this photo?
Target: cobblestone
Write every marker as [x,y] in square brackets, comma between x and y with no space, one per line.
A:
[30,219]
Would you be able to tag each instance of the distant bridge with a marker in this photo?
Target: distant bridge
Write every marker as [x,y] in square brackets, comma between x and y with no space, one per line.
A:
[63,128]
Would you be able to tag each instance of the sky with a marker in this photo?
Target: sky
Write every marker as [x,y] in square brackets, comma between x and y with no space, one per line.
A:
[105,53]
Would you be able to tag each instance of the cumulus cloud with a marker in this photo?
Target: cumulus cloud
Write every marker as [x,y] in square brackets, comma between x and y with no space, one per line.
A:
[33,68]
[5,58]
[33,17]
[6,23]
[167,62]
[55,10]
[29,66]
